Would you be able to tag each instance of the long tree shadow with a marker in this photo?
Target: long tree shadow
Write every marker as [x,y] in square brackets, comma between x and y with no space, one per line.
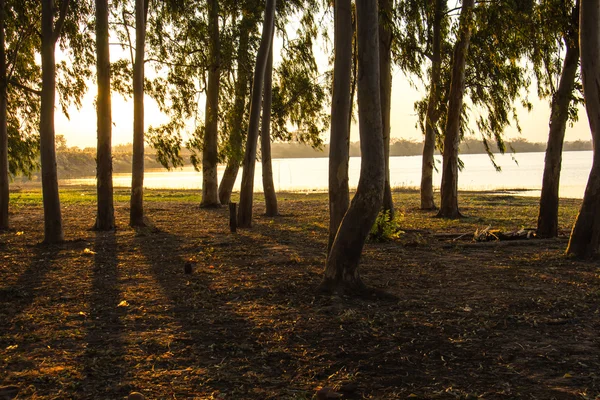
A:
[17,298]
[213,332]
[104,357]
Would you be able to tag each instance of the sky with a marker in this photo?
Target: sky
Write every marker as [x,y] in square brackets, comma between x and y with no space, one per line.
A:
[80,130]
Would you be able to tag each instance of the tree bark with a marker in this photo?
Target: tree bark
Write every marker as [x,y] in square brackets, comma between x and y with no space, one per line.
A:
[4,178]
[341,108]
[585,237]
[341,271]
[53,230]
[105,218]
[247,190]
[385,76]
[136,212]
[210,182]
[449,189]
[432,115]
[265,136]
[548,214]
[236,138]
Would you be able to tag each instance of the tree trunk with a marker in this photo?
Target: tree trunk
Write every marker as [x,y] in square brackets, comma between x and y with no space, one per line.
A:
[247,190]
[4,178]
[432,115]
[385,76]
[236,137]
[341,108]
[449,189]
[210,182]
[548,214]
[265,148]
[341,271]
[53,230]
[105,218]
[136,212]
[585,237]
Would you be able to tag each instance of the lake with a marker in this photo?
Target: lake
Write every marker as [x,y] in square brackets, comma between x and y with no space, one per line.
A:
[311,174]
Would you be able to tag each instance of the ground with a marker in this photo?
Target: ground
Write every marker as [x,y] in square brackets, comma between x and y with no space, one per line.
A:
[105,314]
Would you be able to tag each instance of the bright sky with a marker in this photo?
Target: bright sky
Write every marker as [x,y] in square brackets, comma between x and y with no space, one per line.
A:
[80,131]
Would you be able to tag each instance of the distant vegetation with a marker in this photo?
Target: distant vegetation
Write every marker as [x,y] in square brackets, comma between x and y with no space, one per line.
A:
[74,162]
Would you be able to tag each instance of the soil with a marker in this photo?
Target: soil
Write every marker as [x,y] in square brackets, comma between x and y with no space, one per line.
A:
[108,313]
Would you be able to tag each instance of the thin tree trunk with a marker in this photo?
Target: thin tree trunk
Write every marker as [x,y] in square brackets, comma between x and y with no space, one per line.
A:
[236,138]
[265,135]
[210,182]
[548,214]
[449,189]
[4,178]
[136,212]
[385,76]
[341,114]
[432,116]
[53,230]
[585,237]
[247,190]
[341,271]
[105,218]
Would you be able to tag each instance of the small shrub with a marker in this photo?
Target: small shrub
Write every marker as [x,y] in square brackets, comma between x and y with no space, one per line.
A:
[384,229]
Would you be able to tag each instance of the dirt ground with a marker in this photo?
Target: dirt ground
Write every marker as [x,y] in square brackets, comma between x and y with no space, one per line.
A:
[105,314]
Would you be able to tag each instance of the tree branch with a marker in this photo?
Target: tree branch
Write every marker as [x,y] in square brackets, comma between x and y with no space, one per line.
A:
[26,88]
[64,5]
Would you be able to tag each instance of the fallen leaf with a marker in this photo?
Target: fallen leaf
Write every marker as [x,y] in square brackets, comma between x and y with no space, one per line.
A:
[88,251]
[124,303]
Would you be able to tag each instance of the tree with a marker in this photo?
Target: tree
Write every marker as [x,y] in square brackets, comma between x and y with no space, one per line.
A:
[561,111]
[265,136]
[385,75]
[53,231]
[105,218]
[585,237]
[341,270]
[432,114]
[449,189]
[136,213]
[4,178]
[244,217]
[341,105]
[210,182]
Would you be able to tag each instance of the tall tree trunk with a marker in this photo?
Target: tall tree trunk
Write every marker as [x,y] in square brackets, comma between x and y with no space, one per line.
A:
[585,237]
[548,214]
[341,271]
[136,212]
[341,109]
[236,138]
[449,189]
[385,76]
[244,217]
[105,218]
[4,179]
[210,182]
[432,115]
[265,136]
[53,230]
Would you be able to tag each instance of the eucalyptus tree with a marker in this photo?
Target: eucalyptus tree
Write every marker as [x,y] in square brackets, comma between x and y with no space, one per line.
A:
[105,217]
[341,106]
[271,208]
[136,211]
[4,178]
[210,152]
[386,8]
[585,237]
[449,188]
[556,18]
[341,270]
[244,216]
[51,33]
